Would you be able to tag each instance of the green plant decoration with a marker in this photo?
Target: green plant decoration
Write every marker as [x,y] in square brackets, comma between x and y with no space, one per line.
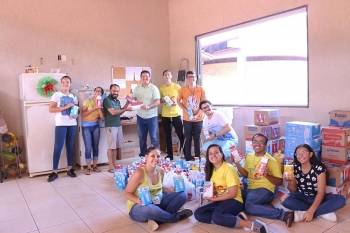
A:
[46,86]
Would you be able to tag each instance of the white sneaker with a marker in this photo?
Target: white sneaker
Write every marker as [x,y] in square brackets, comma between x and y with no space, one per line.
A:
[298,215]
[259,226]
[330,217]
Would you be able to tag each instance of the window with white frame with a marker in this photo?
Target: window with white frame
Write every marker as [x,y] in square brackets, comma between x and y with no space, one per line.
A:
[263,62]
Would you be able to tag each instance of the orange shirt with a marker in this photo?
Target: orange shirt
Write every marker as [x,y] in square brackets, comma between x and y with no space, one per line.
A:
[198,94]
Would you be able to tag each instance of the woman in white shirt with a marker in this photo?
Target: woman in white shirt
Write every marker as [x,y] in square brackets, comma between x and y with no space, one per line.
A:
[66,126]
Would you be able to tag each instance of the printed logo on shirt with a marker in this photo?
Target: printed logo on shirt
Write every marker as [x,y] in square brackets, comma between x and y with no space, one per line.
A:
[64,100]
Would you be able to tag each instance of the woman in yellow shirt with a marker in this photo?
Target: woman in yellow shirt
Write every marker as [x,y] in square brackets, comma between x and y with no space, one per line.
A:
[91,130]
[166,202]
[226,204]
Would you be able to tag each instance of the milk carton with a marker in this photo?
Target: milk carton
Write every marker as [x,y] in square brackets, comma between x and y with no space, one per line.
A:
[145,195]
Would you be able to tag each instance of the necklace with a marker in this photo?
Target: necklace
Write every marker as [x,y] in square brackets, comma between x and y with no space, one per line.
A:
[256,164]
[194,90]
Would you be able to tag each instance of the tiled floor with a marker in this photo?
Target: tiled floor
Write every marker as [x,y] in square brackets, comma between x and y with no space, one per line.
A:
[93,204]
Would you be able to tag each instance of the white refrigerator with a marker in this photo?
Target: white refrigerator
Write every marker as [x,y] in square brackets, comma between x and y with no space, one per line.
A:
[83,94]
[38,125]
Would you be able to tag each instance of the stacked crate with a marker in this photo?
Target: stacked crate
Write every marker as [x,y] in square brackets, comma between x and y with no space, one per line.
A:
[266,121]
[298,133]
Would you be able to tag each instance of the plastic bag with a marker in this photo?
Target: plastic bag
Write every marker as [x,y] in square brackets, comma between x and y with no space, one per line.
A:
[168,180]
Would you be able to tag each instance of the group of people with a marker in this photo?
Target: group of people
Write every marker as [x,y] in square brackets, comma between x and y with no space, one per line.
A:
[307,198]
[182,108]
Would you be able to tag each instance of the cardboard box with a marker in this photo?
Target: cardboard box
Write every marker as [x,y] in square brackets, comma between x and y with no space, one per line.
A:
[293,142]
[266,117]
[282,144]
[343,189]
[128,149]
[337,174]
[337,155]
[248,147]
[335,136]
[335,190]
[275,131]
[346,190]
[251,130]
[340,118]
[272,146]
[307,130]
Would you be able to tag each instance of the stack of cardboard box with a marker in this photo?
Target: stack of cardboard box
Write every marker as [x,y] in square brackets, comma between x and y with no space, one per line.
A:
[298,133]
[339,179]
[336,152]
[266,121]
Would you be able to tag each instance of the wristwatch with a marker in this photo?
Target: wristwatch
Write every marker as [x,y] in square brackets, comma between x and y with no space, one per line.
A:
[214,135]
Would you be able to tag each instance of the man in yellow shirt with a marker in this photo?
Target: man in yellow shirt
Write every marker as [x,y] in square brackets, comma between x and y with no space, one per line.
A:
[261,185]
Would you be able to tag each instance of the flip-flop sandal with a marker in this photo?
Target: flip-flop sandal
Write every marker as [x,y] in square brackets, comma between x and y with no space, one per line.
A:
[95,169]
[111,170]
[289,218]
[88,171]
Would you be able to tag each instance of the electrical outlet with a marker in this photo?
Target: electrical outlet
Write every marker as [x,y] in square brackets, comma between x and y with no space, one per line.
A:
[64,57]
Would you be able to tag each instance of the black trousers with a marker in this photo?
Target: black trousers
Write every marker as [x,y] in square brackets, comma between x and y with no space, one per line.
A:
[192,129]
[168,122]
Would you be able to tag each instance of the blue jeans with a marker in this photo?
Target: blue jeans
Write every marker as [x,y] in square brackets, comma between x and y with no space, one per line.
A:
[223,213]
[165,212]
[91,137]
[255,204]
[192,129]
[299,201]
[143,127]
[62,134]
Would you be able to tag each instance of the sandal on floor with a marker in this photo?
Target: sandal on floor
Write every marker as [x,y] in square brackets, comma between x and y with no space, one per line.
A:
[88,171]
[289,218]
[95,169]
[111,170]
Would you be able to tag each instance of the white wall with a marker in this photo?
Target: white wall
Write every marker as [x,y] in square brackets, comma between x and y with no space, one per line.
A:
[329,48]
[97,34]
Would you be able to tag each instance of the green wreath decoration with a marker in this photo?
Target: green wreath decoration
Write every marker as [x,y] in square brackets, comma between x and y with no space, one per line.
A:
[45,86]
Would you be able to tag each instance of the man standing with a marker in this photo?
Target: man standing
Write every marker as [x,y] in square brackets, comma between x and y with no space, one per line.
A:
[112,112]
[147,115]
[189,98]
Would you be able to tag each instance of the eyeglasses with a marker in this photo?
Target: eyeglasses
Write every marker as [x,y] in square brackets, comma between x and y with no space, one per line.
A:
[206,107]
[191,76]
[99,91]
[302,153]
[258,142]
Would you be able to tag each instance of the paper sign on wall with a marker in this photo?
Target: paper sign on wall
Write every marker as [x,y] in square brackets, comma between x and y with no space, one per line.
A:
[129,73]
[137,73]
[120,82]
